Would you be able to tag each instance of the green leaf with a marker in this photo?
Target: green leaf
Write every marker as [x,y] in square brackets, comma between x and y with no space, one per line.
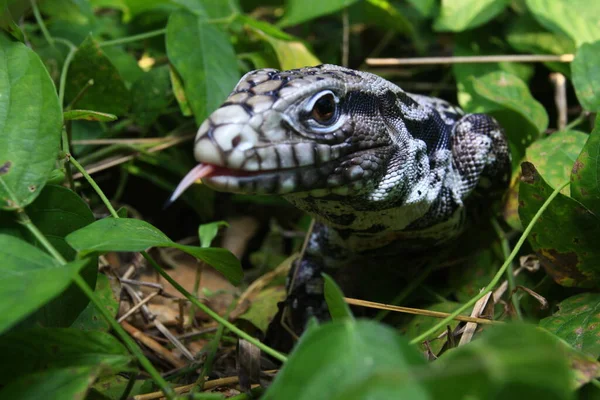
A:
[479,43]
[91,319]
[108,94]
[222,260]
[263,307]
[34,350]
[508,99]
[338,308]
[575,18]
[345,352]
[30,114]
[577,322]
[298,11]
[572,257]
[30,278]
[554,156]
[88,115]
[422,323]
[151,95]
[64,383]
[585,176]
[514,361]
[586,75]
[207,232]
[526,36]
[57,212]
[126,234]
[205,60]
[426,8]
[116,234]
[460,15]
[291,53]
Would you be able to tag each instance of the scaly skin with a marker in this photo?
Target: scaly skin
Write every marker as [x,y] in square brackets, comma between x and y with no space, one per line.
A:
[382,171]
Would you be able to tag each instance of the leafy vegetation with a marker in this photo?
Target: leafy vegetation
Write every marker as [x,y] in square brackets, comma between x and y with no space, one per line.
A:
[117,88]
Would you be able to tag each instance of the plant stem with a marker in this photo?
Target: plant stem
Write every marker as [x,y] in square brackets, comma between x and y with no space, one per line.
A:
[510,277]
[66,165]
[95,186]
[40,22]
[65,68]
[133,38]
[498,275]
[176,285]
[79,281]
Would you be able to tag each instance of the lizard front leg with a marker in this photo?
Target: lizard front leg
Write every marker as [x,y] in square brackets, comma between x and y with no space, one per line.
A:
[305,285]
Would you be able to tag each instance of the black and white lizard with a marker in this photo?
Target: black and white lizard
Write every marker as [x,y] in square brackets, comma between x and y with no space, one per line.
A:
[382,171]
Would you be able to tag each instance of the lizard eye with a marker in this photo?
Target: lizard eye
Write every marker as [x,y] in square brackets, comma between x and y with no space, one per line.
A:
[324,109]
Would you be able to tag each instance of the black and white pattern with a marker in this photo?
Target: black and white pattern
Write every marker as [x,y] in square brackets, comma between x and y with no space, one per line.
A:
[376,166]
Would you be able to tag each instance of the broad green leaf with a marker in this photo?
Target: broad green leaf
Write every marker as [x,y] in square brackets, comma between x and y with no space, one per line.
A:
[90,318]
[426,8]
[338,308]
[508,99]
[577,322]
[77,12]
[572,257]
[345,352]
[586,75]
[422,323]
[211,8]
[585,176]
[30,278]
[291,53]
[264,307]
[151,95]
[298,11]
[29,114]
[460,15]
[387,15]
[578,19]
[126,234]
[205,60]
[37,349]
[54,384]
[479,43]
[108,94]
[468,279]
[513,361]
[554,156]
[125,63]
[88,115]
[116,234]
[57,212]
[526,36]
[207,232]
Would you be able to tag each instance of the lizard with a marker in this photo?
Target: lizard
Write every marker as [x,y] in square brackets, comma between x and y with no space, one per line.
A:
[383,172]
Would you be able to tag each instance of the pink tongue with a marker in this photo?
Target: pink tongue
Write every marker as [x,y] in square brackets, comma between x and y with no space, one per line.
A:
[198,172]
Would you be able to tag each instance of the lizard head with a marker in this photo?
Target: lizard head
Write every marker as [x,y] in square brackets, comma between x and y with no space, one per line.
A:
[312,130]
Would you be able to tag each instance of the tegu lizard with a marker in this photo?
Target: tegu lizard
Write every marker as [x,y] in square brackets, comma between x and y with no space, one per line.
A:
[382,171]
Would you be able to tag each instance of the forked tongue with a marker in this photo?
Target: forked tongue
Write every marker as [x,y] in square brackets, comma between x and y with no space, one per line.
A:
[198,172]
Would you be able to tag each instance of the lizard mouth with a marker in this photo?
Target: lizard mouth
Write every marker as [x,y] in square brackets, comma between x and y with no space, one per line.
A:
[276,181]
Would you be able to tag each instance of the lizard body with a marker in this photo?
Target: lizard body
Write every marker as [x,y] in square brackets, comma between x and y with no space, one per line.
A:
[382,171]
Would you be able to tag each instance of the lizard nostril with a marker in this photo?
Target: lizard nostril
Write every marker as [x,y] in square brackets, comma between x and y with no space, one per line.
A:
[236,140]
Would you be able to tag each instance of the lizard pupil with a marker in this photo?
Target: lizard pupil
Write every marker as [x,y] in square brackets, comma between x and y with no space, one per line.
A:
[324,109]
